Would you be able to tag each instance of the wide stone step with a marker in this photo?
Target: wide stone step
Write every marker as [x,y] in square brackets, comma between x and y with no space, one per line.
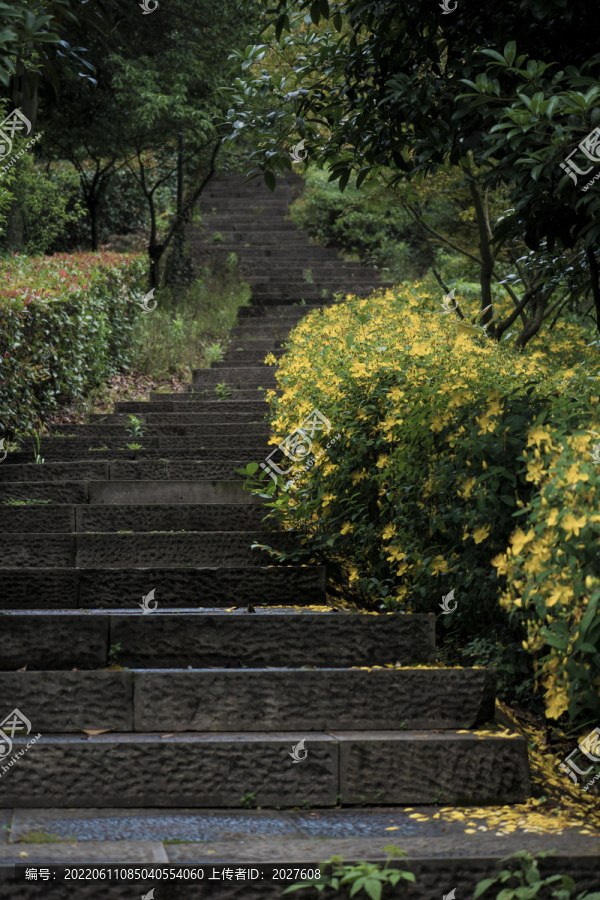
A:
[210,447]
[158,426]
[187,587]
[220,469]
[252,393]
[269,345]
[162,548]
[234,376]
[177,454]
[102,517]
[189,491]
[434,843]
[274,699]
[328,275]
[196,770]
[209,637]
[196,402]
[266,291]
[273,313]
[188,413]
[244,358]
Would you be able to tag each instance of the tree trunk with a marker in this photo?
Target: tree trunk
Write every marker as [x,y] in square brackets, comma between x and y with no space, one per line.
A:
[487,260]
[593,264]
[25,97]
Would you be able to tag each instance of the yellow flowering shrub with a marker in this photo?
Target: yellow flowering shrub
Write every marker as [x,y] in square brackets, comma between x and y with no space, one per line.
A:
[461,465]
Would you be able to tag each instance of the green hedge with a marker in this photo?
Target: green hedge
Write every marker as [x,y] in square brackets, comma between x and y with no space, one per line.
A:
[66,325]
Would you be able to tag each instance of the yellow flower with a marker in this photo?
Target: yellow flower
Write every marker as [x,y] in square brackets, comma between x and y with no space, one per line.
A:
[270,360]
[519,539]
[346,527]
[467,488]
[388,532]
[560,592]
[571,524]
[358,369]
[438,565]
[353,573]
[396,554]
[557,703]
[382,460]
[327,498]
[536,435]
[573,475]
[553,517]
[481,533]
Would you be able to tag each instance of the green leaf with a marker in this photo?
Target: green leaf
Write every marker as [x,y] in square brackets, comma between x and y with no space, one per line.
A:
[510,51]
[483,886]
[270,181]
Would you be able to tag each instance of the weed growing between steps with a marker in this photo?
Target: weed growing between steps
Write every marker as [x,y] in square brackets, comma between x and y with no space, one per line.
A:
[521,879]
[189,328]
[464,465]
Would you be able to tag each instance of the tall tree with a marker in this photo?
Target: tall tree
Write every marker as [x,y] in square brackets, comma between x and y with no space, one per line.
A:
[373,83]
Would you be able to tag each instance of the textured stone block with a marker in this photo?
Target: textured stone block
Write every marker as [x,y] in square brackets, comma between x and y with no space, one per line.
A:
[168,517]
[321,699]
[451,768]
[34,550]
[188,491]
[130,470]
[235,377]
[38,588]
[42,640]
[194,548]
[37,518]
[81,471]
[207,587]
[271,638]
[58,702]
[195,771]
[57,492]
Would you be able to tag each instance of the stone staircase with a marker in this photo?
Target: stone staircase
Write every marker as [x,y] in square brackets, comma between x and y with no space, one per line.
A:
[274,256]
[160,728]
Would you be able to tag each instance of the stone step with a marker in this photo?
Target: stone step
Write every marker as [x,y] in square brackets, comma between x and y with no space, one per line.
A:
[127,492]
[252,393]
[141,517]
[234,376]
[203,638]
[256,699]
[183,452]
[196,436]
[161,426]
[265,291]
[274,313]
[434,842]
[255,344]
[162,548]
[327,275]
[254,407]
[219,469]
[219,769]
[186,587]
[188,413]
[434,847]
[244,358]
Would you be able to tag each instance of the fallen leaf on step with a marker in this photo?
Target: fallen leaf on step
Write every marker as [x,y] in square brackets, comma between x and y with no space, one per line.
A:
[94,731]
[114,669]
[393,828]
[168,735]
[24,669]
